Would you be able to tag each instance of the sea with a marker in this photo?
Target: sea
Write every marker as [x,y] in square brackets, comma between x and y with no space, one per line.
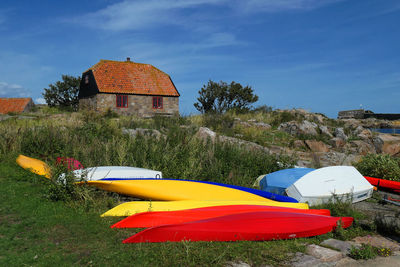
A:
[386,130]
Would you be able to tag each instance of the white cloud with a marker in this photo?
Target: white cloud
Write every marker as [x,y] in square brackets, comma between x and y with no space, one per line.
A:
[282,5]
[13,90]
[142,14]
[145,14]
[40,100]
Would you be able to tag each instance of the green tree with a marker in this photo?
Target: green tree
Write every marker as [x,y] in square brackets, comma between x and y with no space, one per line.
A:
[63,93]
[221,97]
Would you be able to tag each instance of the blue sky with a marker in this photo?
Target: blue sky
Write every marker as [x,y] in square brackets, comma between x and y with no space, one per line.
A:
[320,55]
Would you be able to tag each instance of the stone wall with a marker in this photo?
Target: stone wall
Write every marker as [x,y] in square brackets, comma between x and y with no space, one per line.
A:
[140,105]
[29,106]
[88,103]
[351,114]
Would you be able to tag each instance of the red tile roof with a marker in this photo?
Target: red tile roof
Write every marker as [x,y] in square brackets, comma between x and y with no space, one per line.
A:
[17,105]
[132,78]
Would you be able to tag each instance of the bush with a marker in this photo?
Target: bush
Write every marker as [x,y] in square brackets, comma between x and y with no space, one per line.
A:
[365,252]
[380,166]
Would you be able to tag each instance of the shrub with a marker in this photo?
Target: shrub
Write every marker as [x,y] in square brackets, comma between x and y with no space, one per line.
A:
[365,252]
[381,166]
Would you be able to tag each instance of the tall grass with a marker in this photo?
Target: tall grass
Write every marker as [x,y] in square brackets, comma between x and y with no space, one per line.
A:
[178,154]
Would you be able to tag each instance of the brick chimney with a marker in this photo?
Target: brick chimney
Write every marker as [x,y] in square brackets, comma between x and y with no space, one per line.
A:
[128,59]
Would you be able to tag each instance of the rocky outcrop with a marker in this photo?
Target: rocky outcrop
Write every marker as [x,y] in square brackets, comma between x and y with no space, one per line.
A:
[295,128]
[388,144]
[316,146]
[339,133]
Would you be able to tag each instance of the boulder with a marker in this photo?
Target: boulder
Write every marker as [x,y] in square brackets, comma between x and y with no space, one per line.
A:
[339,133]
[377,241]
[291,127]
[308,128]
[365,134]
[299,144]
[205,133]
[316,146]
[323,254]
[304,260]
[262,125]
[363,148]
[324,130]
[387,143]
[295,128]
[145,132]
[337,142]
[343,246]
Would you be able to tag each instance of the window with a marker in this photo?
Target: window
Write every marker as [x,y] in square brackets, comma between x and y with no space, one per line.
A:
[122,101]
[157,102]
[86,79]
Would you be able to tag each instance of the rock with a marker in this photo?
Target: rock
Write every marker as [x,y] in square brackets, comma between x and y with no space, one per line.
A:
[339,133]
[308,128]
[291,127]
[205,133]
[299,144]
[237,264]
[144,132]
[363,148]
[316,146]
[365,134]
[377,241]
[304,260]
[387,143]
[346,261]
[343,246]
[324,130]
[262,125]
[323,254]
[294,128]
[337,142]
[333,158]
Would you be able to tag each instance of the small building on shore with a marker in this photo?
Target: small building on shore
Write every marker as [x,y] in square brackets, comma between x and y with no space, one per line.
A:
[127,87]
[16,105]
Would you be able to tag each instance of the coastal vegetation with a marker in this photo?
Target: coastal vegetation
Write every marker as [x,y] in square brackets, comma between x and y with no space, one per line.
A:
[44,222]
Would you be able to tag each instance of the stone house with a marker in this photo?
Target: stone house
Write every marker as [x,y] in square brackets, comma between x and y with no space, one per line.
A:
[16,105]
[127,87]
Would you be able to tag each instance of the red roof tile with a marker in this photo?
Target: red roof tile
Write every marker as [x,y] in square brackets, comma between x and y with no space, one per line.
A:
[13,104]
[132,78]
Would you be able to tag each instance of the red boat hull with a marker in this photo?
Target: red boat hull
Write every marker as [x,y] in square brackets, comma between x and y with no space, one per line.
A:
[150,219]
[252,226]
[386,184]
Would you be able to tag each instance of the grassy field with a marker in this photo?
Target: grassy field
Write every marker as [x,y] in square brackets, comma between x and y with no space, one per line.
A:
[42,224]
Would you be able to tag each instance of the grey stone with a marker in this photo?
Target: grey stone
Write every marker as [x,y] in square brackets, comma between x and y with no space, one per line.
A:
[316,146]
[323,254]
[304,260]
[308,128]
[343,246]
[264,126]
[339,132]
[144,132]
[324,130]
[205,133]
[345,262]
[237,264]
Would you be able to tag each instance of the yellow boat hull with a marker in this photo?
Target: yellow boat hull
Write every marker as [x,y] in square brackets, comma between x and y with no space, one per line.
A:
[133,207]
[172,190]
[34,165]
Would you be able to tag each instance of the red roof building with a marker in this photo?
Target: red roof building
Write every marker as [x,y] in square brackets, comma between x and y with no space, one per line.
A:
[15,105]
[128,87]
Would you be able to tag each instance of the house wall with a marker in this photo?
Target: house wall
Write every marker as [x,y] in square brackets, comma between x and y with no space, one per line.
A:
[141,105]
[29,106]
